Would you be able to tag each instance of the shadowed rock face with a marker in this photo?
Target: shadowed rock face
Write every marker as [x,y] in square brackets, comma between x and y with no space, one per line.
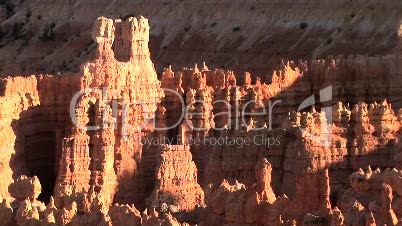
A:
[243,35]
[101,176]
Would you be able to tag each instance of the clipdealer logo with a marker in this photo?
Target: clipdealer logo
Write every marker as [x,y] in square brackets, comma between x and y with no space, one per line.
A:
[109,113]
[235,142]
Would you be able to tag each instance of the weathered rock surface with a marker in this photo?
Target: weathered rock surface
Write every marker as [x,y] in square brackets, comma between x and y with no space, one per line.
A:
[176,179]
[78,148]
[250,205]
[25,188]
[244,35]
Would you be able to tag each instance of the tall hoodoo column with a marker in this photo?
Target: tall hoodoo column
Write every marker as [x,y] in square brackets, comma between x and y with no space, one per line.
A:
[121,93]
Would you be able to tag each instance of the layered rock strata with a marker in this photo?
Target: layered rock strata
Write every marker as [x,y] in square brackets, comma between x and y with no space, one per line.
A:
[221,115]
[123,92]
[35,115]
[82,163]
[82,136]
[245,36]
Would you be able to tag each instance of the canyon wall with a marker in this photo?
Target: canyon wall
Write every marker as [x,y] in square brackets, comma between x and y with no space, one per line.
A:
[81,142]
[35,116]
[45,118]
[360,131]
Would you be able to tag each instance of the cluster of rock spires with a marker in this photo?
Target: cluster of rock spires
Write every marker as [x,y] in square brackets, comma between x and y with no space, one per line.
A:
[106,176]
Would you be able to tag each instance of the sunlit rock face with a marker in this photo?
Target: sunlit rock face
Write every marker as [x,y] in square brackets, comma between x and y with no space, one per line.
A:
[176,176]
[69,158]
[74,163]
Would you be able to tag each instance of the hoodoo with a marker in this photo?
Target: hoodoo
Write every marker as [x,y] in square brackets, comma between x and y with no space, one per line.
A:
[315,141]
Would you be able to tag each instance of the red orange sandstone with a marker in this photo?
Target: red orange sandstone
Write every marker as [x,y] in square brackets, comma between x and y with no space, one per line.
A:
[106,176]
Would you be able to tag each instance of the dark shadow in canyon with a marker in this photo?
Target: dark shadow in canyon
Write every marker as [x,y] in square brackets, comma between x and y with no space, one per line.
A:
[36,152]
[39,132]
[291,97]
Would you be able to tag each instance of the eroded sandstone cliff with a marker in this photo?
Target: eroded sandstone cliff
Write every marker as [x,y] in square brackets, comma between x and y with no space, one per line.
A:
[70,158]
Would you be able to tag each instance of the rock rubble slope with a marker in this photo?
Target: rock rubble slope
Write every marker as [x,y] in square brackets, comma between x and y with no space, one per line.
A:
[245,35]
